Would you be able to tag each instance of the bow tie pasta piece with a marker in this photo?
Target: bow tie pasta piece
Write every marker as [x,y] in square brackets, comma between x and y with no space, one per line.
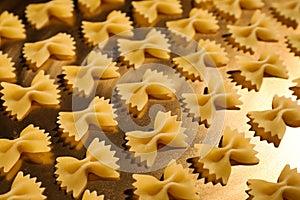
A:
[167,131]
[233,8]
[271,124]
[215,166]
[177,183]
[19,100]
[40,14]
[287,186]
[254,70]
[221,95]
[32,140]
[151,8]
[293,41]
[153,84]
[155,43]
[60,47]
[199,21]
[92,5]
[87,195]
[72,174]
[97,32]
[194,65]
[11,27]
[261,28]
[85,78]
[6,68]
[24,187]
[99,113]
[289,9]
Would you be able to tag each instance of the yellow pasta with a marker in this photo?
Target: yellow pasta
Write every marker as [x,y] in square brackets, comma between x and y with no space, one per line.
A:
[151,8]
[99,113]
[6,68]
[271,124]
[220,95]
[19,100]
[40,14]
[155,43]
[294,43]
[216,165]
[32,140]
[261,28]
[177,183]
[287,186]
[93,5]
[60,47]
[153,83]
[208,54]
[24,187]
[85,78]
[255,70]
[115,23]
[167,131]
[11,27]
[87,195]
[289,9]
[72,174]
[199,21]
[234,8]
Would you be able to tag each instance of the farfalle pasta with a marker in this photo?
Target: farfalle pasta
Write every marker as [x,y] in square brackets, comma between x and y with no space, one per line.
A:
[261,28]
[40,14]
[151,8]
[293,41]
[167,131]
[254,70]
[60,47]
[32,140]
[72,174]
[155,43]
[233,8]
[199,21]
[11,27]
[153,84]
[194,65]
[87,195]
[92,5]
[24,187]
[215,166]
[99,113]
[19,100]
[221,95]
[271,124]
[85,78]
[7,70]
[177,183]
[287,186]
[289,10]
[116,22]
